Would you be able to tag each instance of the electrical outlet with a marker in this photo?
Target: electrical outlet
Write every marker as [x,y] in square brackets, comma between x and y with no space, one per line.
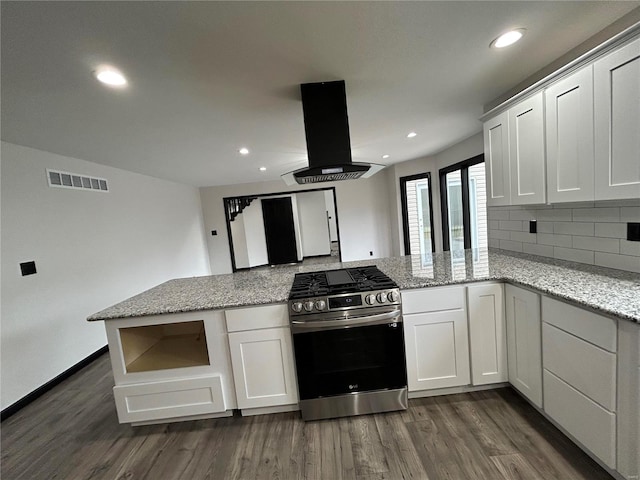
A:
[633,231]
[533,226]
[371,253]
[214,232]
[28,268]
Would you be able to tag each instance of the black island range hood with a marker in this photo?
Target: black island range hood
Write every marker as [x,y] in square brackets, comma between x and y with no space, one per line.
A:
[326,126]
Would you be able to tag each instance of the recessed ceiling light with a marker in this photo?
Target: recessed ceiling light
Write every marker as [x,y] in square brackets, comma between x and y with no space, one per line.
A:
[508,38]
[263,169]
[244,151]
[385,156]
[411,134]
[110,76]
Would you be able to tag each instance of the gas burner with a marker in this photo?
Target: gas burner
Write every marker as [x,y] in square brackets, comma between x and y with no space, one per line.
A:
[333,282]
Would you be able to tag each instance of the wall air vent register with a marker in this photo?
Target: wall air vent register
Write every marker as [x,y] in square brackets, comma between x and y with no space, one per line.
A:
[60,179]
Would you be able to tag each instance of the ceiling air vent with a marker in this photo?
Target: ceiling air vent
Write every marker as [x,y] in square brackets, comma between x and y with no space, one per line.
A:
[60,179]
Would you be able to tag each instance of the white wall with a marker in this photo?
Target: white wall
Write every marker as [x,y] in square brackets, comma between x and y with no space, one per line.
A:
[314,228]
[91,250]
[331,208]
[362,206]
[240,248]
[255,236]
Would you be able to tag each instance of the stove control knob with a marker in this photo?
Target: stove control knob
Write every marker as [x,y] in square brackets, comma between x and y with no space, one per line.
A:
[296,307]
[393,296]
[370,299]
[308,306]
[381,297]
[321,305]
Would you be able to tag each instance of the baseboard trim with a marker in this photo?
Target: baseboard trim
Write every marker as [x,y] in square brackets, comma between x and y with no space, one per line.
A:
[38,392]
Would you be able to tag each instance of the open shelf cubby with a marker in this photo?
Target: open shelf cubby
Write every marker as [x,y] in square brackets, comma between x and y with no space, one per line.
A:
[160,347]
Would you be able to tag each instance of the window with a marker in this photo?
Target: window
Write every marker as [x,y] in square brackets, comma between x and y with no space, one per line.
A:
[417,214]
[464,205]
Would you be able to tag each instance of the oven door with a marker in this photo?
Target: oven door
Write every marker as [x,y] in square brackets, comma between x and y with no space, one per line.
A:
[347,359]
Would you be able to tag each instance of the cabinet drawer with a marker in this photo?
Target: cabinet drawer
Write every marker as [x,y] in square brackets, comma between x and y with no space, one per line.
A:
[588,422]
[593,328]
[256,318]
[169,399]
[589,369]
[433,299]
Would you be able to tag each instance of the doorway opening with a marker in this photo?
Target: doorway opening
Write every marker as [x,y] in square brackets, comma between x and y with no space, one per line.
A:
[283,228]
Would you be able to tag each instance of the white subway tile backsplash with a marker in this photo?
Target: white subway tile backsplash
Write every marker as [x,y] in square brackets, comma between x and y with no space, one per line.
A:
[619,203]
[522,215]
[511,245]
[553,215]
[555,240]
[574,205]
[585,232]
[630,214]
[523,237]
[545,227]
[573,255]
[611,230]
[512,225]
[596,214]
[621,262]
[497,213]
[597,244]
[534,249]
[500,234]
[573,228]
[630,248]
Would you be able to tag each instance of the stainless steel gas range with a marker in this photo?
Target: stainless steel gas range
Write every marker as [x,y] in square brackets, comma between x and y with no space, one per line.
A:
[349,342]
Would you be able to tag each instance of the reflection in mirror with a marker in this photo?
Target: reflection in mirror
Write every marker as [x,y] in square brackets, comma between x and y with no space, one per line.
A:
[283,228]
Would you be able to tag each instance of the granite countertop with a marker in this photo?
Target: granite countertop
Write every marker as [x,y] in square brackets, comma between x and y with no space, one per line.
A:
[604,290]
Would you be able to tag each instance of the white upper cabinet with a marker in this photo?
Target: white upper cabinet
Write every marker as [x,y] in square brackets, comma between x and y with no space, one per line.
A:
[576,140]
[569,132]
[617,123]
[526,151]
[496,155]
[514,154]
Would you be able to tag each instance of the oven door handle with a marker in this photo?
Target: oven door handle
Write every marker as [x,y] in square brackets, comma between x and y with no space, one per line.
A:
[362,320]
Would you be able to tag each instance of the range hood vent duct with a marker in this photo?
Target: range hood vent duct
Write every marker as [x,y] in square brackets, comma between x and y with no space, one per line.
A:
[326,126]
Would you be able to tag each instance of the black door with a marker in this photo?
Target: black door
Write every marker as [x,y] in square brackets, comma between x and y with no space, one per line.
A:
[279,230]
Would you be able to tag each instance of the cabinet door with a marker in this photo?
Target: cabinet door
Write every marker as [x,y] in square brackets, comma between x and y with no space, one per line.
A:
[522,309]
[617,123]
[496,156]
[437,349]
[263,370]
[569,131]
[487,334]
[526,151]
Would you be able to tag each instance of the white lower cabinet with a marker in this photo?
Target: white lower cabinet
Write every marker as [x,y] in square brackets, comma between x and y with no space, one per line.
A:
[487,334]
[524,350]
[169,399]
[580,382]
[169,367]
[436,338]
[262,357]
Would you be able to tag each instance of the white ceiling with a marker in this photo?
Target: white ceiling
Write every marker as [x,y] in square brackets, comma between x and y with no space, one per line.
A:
[206,78]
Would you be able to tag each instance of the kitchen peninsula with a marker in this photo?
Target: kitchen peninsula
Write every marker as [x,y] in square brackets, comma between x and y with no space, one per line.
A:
[607,291]
[566,336]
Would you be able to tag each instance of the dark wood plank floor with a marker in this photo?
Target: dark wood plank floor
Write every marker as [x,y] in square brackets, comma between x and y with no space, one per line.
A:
[72,433]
